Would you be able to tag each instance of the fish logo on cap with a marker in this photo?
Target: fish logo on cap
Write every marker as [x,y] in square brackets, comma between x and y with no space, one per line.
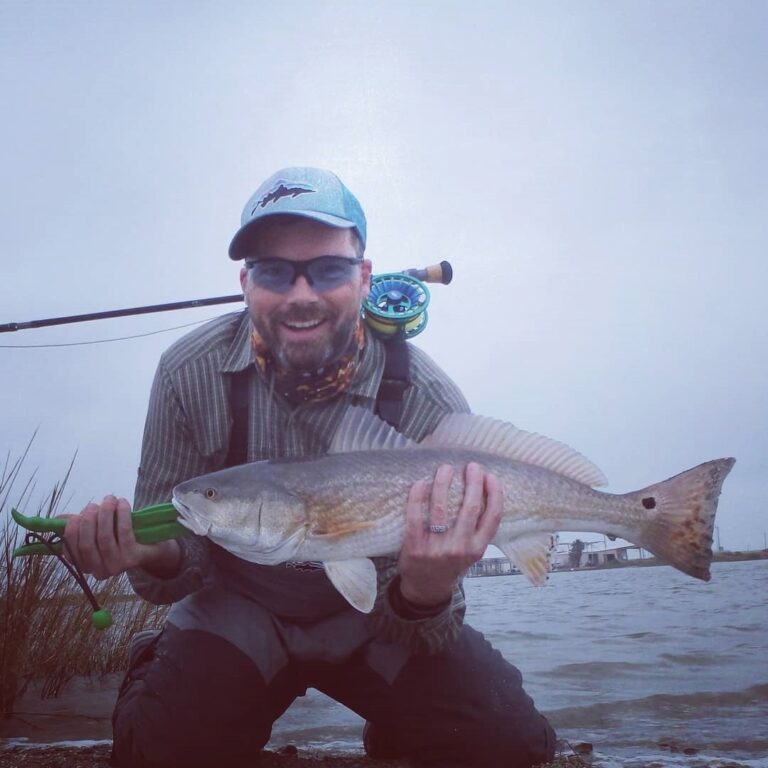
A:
[282,189]
[285,192]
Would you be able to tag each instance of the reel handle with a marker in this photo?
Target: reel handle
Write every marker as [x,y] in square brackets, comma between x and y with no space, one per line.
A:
[436,273]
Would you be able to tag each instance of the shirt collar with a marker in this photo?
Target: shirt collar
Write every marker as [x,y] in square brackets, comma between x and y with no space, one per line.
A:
[240,353]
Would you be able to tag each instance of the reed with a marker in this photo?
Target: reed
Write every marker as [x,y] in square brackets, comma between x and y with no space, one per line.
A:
[46,633]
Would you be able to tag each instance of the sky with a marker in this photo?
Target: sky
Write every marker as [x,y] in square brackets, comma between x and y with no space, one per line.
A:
[595,172]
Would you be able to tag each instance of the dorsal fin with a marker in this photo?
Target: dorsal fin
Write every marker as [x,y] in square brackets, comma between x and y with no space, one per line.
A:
[362,430]
[466,430]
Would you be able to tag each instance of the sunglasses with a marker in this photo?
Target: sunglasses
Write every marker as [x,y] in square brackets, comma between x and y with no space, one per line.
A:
[323,273]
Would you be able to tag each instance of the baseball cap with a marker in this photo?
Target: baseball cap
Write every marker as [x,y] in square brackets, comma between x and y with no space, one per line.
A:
[309,192]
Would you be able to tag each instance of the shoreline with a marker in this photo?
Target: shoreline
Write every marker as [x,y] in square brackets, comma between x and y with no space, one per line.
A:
[651,562]
[97,756]
[646,562]
[74,730]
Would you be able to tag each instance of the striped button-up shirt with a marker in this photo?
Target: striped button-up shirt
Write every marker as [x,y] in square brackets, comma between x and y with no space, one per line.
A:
[187,434]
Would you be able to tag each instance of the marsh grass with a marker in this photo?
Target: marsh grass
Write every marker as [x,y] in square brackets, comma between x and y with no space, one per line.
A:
[46,634]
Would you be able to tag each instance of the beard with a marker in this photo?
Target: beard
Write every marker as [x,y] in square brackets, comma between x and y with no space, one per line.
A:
[318,350]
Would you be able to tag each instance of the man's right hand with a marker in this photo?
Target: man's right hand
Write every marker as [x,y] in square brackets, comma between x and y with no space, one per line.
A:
[100,540]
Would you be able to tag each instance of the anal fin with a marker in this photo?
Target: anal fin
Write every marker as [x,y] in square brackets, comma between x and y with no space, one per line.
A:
[531,554]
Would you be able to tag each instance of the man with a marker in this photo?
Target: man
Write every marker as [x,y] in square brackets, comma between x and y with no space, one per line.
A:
[243,640]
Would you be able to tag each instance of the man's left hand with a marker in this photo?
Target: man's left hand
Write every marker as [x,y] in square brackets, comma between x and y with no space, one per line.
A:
[431,563]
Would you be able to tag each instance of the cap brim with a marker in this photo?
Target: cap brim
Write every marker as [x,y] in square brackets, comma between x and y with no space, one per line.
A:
[236,247]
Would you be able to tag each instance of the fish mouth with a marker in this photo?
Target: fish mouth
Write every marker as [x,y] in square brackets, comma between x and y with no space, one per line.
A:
[190,519]
[237,542]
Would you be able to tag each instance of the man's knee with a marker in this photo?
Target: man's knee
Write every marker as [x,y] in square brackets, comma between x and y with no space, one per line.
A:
[192,699]
[504,741]
[496,722]
[141,742]
[463,707]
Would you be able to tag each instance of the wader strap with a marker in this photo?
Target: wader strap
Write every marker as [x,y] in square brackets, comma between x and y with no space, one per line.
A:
[394,382]
[389,399]
[239,400]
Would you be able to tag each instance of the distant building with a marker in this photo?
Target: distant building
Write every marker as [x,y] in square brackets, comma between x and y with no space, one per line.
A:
[560,560]
[492,566]
[605,557]
[593,558]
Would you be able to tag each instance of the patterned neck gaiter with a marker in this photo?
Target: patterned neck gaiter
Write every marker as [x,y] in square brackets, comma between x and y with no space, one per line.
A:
[311,386]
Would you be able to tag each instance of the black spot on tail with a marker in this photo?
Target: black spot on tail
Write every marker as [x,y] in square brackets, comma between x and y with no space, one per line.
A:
[649,502]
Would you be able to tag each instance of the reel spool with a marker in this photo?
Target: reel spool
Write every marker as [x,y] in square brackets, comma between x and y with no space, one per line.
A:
[396,305]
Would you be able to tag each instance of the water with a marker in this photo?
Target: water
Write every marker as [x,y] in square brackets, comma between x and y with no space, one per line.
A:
[647,664]
[644,663]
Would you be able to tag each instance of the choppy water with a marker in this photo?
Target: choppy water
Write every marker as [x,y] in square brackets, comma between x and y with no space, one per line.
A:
[644,663]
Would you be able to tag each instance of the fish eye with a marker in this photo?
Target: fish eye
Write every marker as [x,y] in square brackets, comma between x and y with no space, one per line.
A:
[210,493]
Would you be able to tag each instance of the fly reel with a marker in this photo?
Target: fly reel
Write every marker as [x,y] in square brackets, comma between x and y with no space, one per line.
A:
[396,305]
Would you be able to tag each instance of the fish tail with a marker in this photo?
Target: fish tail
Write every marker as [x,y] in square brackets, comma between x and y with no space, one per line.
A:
[681,516]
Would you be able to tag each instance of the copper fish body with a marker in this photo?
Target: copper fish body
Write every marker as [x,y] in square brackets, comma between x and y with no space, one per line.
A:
[349,505]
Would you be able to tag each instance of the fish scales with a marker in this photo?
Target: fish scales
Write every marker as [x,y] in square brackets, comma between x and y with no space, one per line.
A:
[344,490]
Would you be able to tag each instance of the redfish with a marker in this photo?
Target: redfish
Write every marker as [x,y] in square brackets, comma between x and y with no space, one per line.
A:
[348,505]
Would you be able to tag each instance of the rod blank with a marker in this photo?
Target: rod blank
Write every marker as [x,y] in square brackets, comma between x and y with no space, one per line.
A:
[7,327]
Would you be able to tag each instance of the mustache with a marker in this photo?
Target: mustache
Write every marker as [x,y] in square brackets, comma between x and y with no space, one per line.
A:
[303,314]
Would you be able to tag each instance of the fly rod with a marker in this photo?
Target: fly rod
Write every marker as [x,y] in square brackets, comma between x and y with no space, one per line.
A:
[437,273]
[5,328]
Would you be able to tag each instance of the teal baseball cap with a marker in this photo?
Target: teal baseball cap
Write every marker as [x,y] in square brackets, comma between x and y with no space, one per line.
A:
[309,192]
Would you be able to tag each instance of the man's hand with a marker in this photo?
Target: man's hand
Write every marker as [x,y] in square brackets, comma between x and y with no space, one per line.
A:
[431,563]
[101,541]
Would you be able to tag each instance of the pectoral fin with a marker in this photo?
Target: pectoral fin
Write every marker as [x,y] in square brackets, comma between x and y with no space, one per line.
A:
[356,580]
[531,554]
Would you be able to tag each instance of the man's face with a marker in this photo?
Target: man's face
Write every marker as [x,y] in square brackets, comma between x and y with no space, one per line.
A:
[305,329]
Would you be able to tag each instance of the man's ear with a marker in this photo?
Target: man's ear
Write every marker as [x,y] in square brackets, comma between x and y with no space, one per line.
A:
[365,274]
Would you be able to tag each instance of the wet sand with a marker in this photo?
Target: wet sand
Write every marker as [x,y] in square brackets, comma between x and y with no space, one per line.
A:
[82,712]
[98,757]
[287,757]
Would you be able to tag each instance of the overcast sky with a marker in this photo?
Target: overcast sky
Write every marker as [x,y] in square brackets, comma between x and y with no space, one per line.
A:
[595,172]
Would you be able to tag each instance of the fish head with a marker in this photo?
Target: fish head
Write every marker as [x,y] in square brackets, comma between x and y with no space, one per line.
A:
[242,509]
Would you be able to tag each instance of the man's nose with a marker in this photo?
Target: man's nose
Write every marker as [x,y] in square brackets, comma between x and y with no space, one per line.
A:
[301,290]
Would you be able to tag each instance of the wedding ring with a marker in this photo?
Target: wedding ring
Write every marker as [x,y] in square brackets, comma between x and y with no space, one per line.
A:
[438,528]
